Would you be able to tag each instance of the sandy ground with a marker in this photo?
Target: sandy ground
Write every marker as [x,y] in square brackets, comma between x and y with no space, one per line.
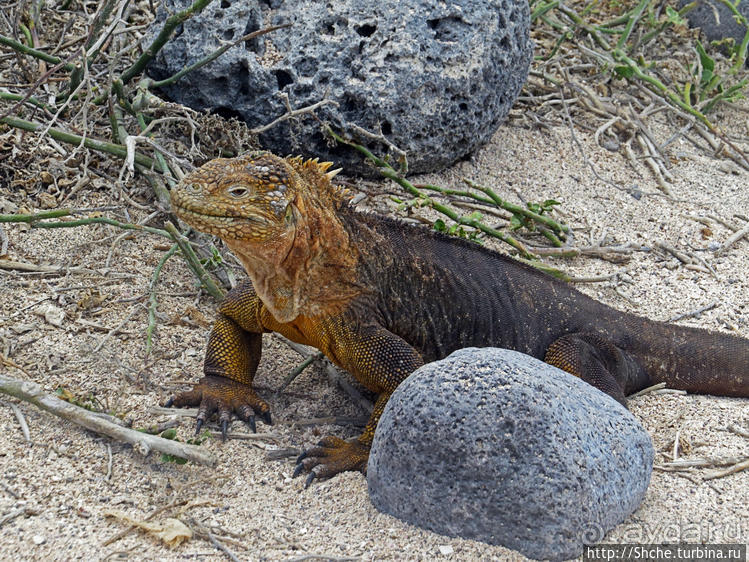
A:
[62,478]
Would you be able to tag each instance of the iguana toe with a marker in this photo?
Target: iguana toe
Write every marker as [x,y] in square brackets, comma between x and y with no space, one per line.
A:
[219,394]
[331,456]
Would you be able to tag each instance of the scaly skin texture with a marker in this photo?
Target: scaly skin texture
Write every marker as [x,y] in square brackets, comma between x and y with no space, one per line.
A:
[380,298]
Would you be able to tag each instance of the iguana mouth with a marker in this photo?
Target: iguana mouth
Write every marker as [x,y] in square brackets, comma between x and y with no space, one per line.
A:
[220,219]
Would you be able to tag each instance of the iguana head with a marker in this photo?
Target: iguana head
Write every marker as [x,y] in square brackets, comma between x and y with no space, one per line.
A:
[278,215]
[250,198]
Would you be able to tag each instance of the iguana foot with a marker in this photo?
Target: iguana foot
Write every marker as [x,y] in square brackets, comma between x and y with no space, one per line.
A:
[218,394]
[331,456]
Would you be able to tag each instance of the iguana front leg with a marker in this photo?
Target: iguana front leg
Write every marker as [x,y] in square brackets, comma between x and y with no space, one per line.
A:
[378,359]
[231,360]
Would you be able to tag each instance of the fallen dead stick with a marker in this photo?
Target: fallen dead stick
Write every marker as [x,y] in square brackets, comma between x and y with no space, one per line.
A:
[735,237]
[13,265]
[739,466]
[683,464]
[143,442]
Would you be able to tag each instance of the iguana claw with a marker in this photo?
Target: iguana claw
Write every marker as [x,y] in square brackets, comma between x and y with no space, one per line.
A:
[225,396]
[309,480]
[331,456]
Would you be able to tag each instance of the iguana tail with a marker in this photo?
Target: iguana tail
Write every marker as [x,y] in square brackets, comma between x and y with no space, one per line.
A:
[694,360]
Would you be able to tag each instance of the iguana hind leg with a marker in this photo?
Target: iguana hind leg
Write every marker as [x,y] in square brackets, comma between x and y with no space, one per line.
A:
[597,361]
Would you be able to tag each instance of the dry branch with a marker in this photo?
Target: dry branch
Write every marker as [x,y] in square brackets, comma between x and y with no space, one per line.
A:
[32,393]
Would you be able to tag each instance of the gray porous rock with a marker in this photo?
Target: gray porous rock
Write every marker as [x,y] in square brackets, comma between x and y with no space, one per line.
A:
[716,19]
[494,445]
[436,78]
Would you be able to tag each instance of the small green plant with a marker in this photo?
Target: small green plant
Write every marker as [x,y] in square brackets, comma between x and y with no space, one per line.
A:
[519,220]
[171,434]
[627,45]
[709,86]
[458,230]
[214,261]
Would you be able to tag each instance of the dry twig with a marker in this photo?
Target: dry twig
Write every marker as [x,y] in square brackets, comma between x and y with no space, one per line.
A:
[32,393]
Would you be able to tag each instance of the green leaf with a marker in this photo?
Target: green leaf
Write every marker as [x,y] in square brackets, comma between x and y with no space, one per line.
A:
[708,64]
[673,17]
[624,71]
[515,222]
[439,225]
[170,434]
[172,458]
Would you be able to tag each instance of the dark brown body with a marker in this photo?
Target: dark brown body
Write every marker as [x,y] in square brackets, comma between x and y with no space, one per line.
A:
[441,294]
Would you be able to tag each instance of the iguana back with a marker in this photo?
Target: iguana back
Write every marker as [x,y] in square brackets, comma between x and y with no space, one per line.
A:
[442,293]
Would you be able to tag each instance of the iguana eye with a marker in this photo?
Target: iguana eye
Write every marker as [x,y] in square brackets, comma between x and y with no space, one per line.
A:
[238,191]
[195,188]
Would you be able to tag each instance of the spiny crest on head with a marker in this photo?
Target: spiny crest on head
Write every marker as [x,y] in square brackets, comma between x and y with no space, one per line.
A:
[312,169]
[315,165]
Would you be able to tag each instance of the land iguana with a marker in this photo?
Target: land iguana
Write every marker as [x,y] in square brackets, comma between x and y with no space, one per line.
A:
[380,298]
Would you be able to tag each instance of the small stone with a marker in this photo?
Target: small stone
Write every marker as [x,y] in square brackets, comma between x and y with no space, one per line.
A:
[47,200]
[7,206]
[51,313]
[38,539]
[729,168]
[446,550]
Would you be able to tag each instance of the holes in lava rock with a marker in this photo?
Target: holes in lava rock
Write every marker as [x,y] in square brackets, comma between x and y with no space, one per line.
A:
[330,26]
[225,3]
[228,113]
[448,30]
[387,128]
[366,29]
[253,45]
[302,91]
[349,104]
[283,78]
[306,66]
[243,77]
